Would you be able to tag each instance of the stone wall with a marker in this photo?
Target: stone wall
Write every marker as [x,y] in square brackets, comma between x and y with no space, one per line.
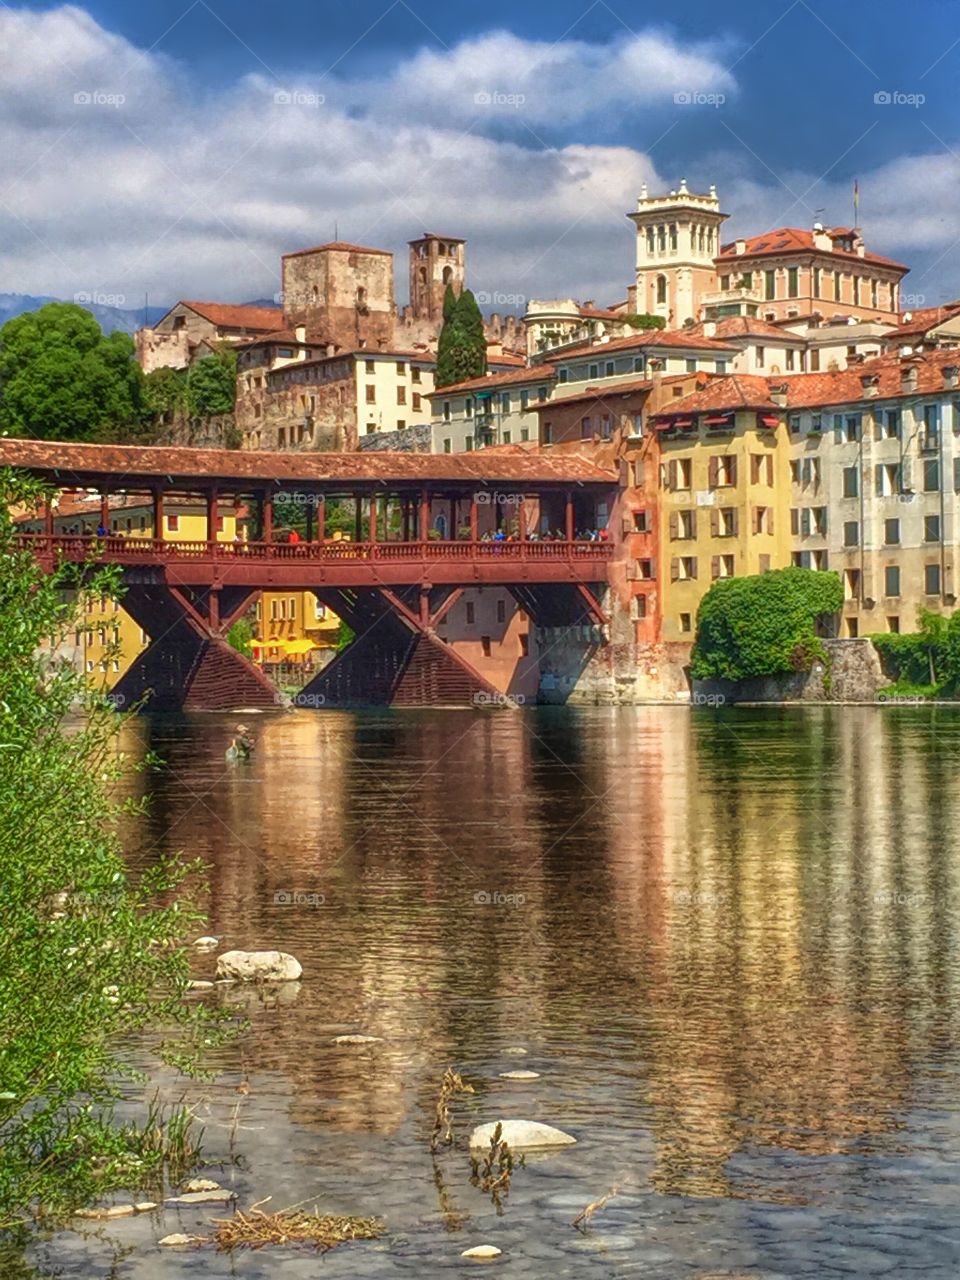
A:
[854,674]
[409,440]
[577,667]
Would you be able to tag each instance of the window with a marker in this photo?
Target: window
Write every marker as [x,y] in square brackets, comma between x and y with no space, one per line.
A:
[586,429]
[887,479]
[888,425]
[416,400]
[691,366]
[684,524]
[661,291]
[851,482]
[931,475]
[506,437]
[415,374]
[608,369]
[814,361]
[931,579]
[548,433]
[851,584]
[468,407]
[471,612]
[524,401]
[683,473]
[761,468]
[524,644]
[371,394]
[763,520]
[931,427]
[370,366]
[931,528]
[891,581]
[725,283]
[401,395]
[564,374]
[846,428]
[638,364]
[816,282]
[722,471]
[723,566]
[761,357]
[485,645]
[851,533]
[789,358]
[446,410]
[891,533]
[686,568]
[448,445]
[594,372]
[468,444]
[769,285]
[173,523]
[645,569]
[524,434]
[893,625]
[501,611]
[837,287]
[727,522]
[853,628]
[641,522]
[606,427]
[685,624]
[793,282]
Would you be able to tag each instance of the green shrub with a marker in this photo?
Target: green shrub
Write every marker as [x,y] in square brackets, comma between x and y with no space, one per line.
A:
[764,625]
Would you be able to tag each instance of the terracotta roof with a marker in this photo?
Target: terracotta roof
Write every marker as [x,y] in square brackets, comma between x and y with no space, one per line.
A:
[509,358]
[734,391]
[283,335]
[599,313]
[225,315]
[844,386]
[361,353]
[922,320]
[679,338]
[512,378]
[797,240]
[339,246]
[128,466]
[747,326]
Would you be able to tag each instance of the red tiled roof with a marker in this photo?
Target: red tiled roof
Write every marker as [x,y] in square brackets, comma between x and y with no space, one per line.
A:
[679,338]
[733,391]
[599,394]
[339,246]
[512,378]
[843,386]
[747,326]
[225,315]
[509,358]
[129,466]
[361,353]
[599,313]
[922,320]
[797,240]
[288,336]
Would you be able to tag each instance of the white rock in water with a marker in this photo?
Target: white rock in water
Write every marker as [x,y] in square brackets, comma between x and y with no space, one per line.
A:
[358,1039]
[482,1251]
[118,1211]
[259,966]
[206,941]
[198,984]
[145,1206]
[177,1238]
[521,1134]
[202,1197]
[516,1052]
[202,1184]
[519,1075]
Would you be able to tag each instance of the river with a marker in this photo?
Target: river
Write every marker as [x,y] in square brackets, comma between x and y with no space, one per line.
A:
[726,942]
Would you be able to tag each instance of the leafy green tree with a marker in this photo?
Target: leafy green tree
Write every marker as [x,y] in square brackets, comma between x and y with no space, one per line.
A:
[62,379]
[645,321]
[927,660]
[764,625]
[462,347]
[89,955]
[165,392]
[212,384]
[240,637]
[449,302]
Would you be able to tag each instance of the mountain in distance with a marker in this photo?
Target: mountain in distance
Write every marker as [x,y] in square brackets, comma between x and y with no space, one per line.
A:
[128,320]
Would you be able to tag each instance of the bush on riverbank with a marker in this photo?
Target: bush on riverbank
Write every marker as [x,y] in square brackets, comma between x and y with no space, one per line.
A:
[765,625]
[87,956]
[924,663]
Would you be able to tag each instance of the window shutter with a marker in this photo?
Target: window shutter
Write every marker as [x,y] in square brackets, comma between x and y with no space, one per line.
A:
[713,472]
[674,524]
[838,428]
[715,523]
[794,521]
[956,475]
[693,524]
[693,566]
[878,470]
[714,566]
[674,473]
[769,519]
[624,473]
[733,470]
[675,569]
[734,521]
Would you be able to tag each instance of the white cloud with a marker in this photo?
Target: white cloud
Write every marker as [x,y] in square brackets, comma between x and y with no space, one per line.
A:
[154,185]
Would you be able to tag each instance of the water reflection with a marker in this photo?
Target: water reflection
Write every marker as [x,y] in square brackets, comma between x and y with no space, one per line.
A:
[728,941]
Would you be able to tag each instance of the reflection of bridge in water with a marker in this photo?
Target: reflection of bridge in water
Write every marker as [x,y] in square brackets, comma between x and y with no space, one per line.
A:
[392,583]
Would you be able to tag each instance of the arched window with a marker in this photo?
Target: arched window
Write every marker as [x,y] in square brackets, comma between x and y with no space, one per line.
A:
[361,296]
[315,293]
[661,237]
[661,291]
[651,240]
[673,236]
[447,275]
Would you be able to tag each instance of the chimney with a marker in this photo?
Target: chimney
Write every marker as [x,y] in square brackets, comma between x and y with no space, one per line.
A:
[870,383]
[301,332]
[740,246]
[778,394]
[709,328]
[908,377]
[951,376]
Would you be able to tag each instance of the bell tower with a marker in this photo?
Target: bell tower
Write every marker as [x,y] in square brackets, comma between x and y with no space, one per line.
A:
[435,262]
[678,238]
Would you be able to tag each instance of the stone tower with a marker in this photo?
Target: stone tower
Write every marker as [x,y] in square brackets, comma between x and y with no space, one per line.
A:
[342,293]
[435,262]
[678,238]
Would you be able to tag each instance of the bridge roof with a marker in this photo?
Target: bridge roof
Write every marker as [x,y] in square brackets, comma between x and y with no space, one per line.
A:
[128,466]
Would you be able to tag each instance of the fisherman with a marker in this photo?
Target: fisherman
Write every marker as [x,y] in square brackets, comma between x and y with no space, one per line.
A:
[241,745]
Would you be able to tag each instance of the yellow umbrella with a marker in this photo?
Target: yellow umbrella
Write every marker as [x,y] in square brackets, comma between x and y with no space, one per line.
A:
[300,646]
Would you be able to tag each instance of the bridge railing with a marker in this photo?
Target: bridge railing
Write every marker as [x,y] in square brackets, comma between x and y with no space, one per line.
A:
[133,549]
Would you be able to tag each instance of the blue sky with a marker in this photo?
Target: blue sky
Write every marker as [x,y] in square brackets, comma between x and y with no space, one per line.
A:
[217,136]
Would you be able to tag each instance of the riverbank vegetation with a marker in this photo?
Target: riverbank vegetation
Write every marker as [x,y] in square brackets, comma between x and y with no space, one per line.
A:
[89,956]
[769,624]
[923,664]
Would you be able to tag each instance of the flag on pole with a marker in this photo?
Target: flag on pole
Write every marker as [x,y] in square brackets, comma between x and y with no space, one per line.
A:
[856,202]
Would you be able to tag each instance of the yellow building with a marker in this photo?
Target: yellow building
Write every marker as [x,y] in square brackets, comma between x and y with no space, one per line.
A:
[724,494]
[292,626]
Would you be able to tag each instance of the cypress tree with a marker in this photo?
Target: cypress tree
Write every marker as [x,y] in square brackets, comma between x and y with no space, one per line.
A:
[462,349]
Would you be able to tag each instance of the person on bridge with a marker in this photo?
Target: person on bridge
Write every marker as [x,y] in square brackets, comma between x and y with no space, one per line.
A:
[294,537]
[102,532]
